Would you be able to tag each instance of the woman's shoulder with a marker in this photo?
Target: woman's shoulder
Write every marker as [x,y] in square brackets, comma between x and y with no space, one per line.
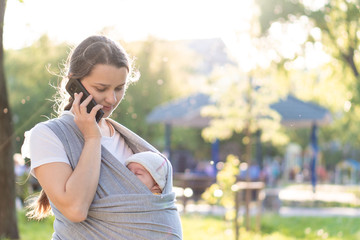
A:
[39,128]
[40,132]
[43,127]
[39,135]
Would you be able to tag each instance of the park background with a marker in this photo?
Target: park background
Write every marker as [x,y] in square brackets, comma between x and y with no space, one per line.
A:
[245,55]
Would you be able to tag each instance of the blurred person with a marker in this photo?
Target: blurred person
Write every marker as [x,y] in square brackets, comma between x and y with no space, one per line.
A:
[20,167]
[79,162]
[22,187]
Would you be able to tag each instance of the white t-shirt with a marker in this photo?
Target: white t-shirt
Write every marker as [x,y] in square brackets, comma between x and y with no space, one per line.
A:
[42,146]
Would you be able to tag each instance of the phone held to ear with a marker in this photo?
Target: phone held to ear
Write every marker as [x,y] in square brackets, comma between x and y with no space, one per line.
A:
[75,86]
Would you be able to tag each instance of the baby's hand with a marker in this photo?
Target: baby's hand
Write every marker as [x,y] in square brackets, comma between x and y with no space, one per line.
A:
[156,189]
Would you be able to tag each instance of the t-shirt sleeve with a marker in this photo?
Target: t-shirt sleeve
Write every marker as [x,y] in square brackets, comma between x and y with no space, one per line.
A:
[42,146]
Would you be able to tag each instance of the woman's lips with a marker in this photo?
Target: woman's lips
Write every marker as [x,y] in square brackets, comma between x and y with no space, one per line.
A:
[107,108]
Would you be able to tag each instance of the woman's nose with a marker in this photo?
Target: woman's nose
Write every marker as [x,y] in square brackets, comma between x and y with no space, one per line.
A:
[111,98]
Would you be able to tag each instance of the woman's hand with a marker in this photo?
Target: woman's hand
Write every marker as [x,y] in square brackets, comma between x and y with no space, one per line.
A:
[86,121]
[73,190]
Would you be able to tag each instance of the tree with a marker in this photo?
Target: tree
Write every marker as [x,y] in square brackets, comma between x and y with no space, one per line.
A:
[337,20]
[240,104]
[30,104]
[8,226]
[331,27]
[241,107]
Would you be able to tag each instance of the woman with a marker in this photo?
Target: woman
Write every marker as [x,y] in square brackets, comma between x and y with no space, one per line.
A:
[79,162]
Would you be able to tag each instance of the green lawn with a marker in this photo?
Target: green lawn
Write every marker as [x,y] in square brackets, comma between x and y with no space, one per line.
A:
[34,230]
[273,227]
[198,227]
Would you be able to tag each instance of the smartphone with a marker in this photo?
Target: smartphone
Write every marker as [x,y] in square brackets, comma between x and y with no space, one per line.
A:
[75,86]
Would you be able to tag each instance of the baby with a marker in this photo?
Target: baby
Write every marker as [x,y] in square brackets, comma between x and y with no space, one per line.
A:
[150,168]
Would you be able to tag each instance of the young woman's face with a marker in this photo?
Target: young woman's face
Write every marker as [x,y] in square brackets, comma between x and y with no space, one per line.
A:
[106,83]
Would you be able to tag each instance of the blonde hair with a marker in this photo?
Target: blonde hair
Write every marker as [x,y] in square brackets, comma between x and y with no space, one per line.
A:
[38,207]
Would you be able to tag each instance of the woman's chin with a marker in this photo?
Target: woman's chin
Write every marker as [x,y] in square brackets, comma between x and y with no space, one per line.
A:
[108,113]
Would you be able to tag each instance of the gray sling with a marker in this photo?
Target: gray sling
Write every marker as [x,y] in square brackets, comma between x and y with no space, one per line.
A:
[123,207]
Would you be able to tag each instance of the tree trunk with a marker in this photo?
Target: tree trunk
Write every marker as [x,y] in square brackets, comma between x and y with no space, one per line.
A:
[349,59]
[248,190]
[248,155]
[8,222]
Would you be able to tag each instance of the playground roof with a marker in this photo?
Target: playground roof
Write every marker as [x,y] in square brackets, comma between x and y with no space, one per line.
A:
[187,112]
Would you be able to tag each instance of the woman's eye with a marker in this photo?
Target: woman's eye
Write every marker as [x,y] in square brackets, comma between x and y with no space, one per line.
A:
[119,89]
[100,90]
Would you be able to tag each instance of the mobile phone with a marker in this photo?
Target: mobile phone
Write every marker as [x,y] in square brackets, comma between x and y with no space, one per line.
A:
[75,86]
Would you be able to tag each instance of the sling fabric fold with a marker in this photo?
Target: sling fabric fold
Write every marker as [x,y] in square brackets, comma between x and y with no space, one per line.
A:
[123,207]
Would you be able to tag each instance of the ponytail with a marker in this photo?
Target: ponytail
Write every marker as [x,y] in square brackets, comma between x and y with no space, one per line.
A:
[39,207]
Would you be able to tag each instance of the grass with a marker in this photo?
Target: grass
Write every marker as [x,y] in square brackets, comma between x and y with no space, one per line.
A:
[273,227]
[208,227]
[312,227]
[34,230]
[204,227]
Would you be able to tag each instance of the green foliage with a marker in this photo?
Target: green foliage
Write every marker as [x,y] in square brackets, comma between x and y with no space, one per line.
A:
[153,88]
[337,20]
[277,9]
[222,192]
[242,104]
[190,139]
[330,28]
[30,72]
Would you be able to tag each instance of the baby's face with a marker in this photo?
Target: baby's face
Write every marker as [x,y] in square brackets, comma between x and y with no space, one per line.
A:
[144,176]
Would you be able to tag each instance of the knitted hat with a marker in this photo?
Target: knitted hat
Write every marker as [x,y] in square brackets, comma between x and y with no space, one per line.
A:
[154,163]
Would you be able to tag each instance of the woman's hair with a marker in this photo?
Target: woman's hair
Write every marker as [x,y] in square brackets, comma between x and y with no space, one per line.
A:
[90,52]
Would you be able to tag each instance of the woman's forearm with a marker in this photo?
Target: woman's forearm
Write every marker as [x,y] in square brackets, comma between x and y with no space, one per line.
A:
[81,186]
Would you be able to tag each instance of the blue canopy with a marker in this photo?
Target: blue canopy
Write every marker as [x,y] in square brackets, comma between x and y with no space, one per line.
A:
[297,113]
[182,112]
[187,112]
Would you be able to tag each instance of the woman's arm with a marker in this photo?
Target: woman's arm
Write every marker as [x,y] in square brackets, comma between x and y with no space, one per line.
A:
[73,191]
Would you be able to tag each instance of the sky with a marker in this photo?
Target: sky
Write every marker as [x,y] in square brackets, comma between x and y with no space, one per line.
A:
[74,20]
[129,20]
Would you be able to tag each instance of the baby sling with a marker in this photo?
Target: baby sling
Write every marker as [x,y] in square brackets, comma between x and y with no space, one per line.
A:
[123,207]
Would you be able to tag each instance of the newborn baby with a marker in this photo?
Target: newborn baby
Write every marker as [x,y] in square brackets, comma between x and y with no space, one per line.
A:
[150,168]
